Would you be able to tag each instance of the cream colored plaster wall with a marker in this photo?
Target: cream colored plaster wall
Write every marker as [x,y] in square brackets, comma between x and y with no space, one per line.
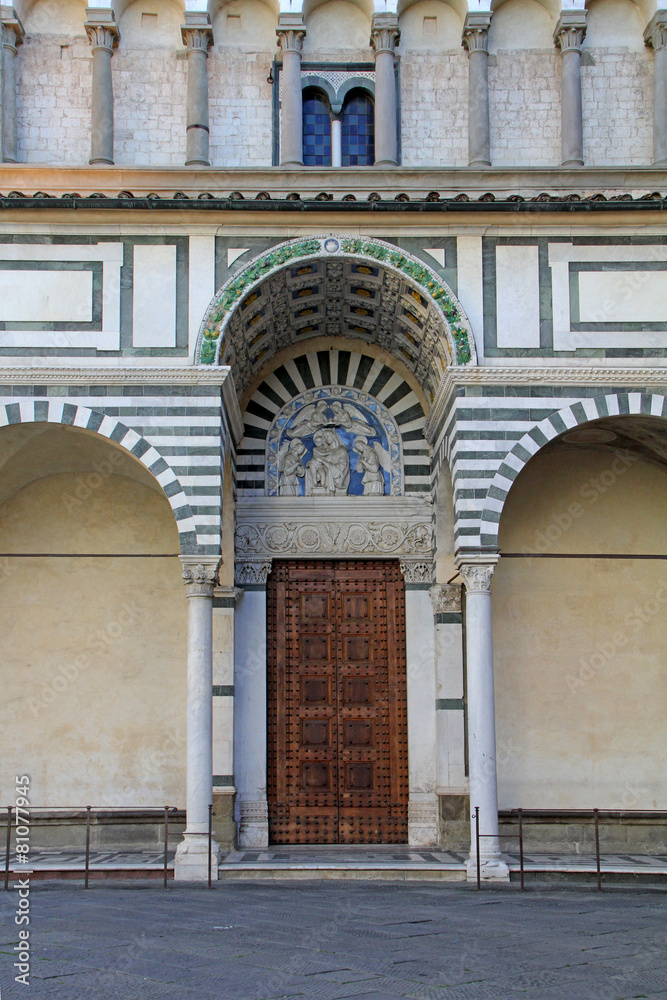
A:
[334,26]
[581,698]
[93,670]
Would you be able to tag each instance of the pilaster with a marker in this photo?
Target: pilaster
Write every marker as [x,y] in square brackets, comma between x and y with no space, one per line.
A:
[385,35]
[197,35]
[291,31]
[475,40]
[11,33]
[103,36]
[655,36]
[569,37]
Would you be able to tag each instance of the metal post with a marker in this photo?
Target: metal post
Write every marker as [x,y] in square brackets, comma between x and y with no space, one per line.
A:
[166,842]
[9,842]
[597,848]
[521,845]
[479,873]
[87,845]
[210,841]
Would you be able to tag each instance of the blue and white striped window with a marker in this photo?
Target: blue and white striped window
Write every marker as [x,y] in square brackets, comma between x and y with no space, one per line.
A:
[358,138]
[316,130]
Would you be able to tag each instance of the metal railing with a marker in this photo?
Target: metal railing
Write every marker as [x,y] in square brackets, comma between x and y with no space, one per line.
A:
[88,813]
[553,815]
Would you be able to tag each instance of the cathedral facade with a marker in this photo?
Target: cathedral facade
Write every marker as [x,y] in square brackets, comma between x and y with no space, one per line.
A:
[333,428]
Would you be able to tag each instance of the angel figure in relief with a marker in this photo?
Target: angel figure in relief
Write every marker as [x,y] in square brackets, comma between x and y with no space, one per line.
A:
[370,460]
[290,467]
[350,419]
[311,418]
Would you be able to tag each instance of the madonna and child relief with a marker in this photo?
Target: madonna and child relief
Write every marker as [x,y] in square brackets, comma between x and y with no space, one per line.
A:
[333,448]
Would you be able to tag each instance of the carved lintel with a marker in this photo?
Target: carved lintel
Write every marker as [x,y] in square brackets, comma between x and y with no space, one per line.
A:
[200,575]
[477,572]
[446,598]
[655,35]
[475,37]
[417,571]
[311,536]
[570,30]
[385,33]
[252,571]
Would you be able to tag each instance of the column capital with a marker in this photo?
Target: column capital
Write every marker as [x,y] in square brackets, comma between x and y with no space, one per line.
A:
[12,33]
[197,32]
[291,32]
[200,575]
[475,37]
[101,28]
[385,33]
[570,30]
[446,598]
[477,571]
[655,34]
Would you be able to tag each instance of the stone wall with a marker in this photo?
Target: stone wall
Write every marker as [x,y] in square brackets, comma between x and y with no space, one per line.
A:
[240,108]
[53,106]
[617,95]
[150,94]
[434,110]
[524,107]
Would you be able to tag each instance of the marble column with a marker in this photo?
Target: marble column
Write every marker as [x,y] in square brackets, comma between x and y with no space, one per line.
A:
[200,575]
[476,42]
[197,34]
[477,572]
[336,141]
[103,36]
[569,36]
[385,36]
[291,31]
[12,34]
[655,37]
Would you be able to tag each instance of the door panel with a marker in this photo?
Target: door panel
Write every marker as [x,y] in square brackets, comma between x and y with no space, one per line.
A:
[337,727]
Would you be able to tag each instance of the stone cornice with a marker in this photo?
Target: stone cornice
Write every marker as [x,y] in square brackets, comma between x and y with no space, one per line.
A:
[112,375]
[630,378]
[201,187]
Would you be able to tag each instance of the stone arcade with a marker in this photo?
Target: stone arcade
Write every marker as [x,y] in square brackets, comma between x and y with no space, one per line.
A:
[333,416]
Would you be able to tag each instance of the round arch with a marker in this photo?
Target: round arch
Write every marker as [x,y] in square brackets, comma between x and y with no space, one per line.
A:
[439,337]
[81,417]
[582,412]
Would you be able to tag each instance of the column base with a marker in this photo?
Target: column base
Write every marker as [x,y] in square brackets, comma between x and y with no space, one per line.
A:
[479,163]
[491,870]
[254,824]
[385,163]
[197,163]
[102,160]
[291,163]
[572,163]
[423,823]
[191,862]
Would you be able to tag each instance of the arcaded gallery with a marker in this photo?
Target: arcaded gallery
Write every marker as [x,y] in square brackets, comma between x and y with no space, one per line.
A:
[333,429]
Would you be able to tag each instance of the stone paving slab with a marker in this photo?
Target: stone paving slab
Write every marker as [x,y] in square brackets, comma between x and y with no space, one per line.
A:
[339,941]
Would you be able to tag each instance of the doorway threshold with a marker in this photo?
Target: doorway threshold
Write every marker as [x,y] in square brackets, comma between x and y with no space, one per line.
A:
[343,861]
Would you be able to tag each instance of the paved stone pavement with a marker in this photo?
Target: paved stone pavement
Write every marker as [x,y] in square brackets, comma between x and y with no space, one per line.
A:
[333,940]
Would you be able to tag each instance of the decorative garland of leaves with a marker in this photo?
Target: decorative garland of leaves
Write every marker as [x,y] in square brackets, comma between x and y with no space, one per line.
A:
[282,255]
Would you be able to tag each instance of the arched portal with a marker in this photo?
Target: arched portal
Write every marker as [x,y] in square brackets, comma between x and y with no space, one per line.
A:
[94,616]
[337,347]
[579,601]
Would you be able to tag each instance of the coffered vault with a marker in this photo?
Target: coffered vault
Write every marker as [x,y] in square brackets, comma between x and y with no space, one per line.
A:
[337,286]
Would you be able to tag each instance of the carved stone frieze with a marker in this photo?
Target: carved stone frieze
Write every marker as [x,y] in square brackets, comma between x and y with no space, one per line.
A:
[446,598]
[252,571]
[417,571]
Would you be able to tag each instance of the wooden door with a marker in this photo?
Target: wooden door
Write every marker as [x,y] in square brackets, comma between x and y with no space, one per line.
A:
[337,725]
